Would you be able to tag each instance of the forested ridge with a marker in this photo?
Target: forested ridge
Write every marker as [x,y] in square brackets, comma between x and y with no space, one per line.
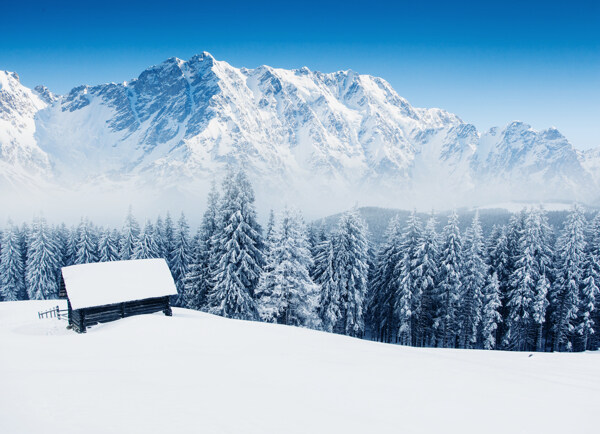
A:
[526,286]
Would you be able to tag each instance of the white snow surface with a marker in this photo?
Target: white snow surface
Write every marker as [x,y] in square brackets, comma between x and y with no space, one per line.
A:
[103,283]
[194,372]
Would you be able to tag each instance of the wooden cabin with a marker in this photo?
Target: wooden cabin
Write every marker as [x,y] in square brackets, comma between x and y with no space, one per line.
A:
[106,291]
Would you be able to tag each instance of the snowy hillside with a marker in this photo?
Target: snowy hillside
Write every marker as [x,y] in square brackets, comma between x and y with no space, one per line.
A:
[198,373]
[304,136]
[22,162]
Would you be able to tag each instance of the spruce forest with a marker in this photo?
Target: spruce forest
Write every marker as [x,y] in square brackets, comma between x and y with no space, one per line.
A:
[524,287]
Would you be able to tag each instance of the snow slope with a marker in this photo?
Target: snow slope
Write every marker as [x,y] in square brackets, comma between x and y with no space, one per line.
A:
[194,372]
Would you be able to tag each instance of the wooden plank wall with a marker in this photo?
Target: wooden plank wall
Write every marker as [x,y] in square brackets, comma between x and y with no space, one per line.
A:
[80,319]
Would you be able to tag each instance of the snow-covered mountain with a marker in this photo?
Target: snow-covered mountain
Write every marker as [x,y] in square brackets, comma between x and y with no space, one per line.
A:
[305,137]
[22,162]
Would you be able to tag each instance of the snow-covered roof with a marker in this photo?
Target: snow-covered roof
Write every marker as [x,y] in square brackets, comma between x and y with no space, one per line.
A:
[103,283]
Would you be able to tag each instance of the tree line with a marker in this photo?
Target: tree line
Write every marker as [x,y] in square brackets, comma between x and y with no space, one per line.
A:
[524,287]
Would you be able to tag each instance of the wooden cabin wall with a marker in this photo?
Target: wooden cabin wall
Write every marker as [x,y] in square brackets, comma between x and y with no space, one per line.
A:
[80,319]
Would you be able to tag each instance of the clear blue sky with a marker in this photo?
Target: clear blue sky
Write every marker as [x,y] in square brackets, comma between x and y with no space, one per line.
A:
[488,61]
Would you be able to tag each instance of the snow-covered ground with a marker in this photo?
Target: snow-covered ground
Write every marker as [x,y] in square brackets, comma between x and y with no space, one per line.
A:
[194,373]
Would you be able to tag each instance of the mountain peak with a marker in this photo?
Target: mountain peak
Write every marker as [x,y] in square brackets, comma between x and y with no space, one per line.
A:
[205,56]
[6,77]
[45,94]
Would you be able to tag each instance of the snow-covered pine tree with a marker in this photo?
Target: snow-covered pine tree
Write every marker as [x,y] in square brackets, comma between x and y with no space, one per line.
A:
[490,317]
[204,256]
[72,238]
[169,238]
[539,307]
[270,229]
[62,237]
[12,268]
[522,288]
[181,257]
[108,246]
[427,271]
[590,294]
[86,247]
[351,268]
[569,272]
[269,243]
[497,254]
[450,282]
[286,294]
[324,276]
[593,256]
[194,279]
[384,284]
[407,303]
[159,239]
[24,234]
[471,299]
[146,247]
[129,236]
[41,271]
[236,248]
[320,236]
[544,257]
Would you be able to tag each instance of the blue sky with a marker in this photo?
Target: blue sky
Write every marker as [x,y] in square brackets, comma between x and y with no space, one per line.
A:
[489,62]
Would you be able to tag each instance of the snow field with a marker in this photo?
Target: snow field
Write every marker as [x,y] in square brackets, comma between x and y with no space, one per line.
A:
[195,372]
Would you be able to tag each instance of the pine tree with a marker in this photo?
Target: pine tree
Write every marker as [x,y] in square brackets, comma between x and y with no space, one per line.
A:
[12,269]
[593,257]
[204,256]
[159,239]
[237,245]
[181,257]
[108,246]
[270,241]
[471,301]
[544,257]
[427,272]
[270,230]
[490,315]
[497,254]
[382,298]
[41,272]
[194,280]
[565,291]
[86,247]
[408,291]
[169,234]
[522,286]
[351,268]
[324,274]
[450,281]
[539,307]
[129,237]
[528,285]
[285,293]
[587,305]
[62,237]
[146,247]
[72,238]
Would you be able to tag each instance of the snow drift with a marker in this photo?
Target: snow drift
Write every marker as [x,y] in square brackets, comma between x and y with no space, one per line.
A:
[194,372]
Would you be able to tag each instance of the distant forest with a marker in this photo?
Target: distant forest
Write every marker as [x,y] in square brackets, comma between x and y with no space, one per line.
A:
[491,280]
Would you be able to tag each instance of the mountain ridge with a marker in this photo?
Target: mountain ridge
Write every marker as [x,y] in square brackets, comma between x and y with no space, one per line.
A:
[303,136]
